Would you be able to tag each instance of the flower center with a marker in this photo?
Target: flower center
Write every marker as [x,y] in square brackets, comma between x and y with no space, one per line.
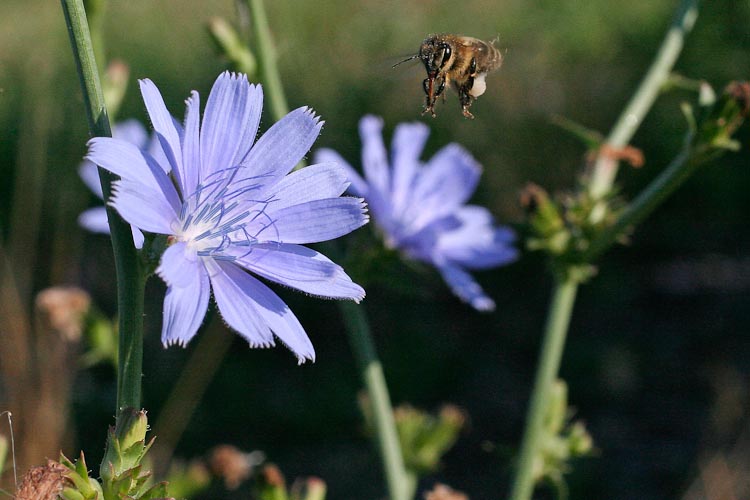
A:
[215,216]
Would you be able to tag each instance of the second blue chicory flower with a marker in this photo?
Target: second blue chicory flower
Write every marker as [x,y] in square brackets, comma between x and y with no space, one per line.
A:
[420,208]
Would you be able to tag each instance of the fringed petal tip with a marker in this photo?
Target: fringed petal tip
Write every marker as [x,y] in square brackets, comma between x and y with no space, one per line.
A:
[167,343]
[359,298]
[242,77]
[193,96]
[311,113]
[259,345]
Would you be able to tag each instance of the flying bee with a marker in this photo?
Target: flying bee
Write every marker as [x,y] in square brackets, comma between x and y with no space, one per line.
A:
[461,61]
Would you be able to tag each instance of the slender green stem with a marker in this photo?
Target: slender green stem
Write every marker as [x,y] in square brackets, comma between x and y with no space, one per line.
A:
[95,15]
[672,177]
[630,119]
[400,485]
[268,70]
[130,280]
[602,178]
[553,343]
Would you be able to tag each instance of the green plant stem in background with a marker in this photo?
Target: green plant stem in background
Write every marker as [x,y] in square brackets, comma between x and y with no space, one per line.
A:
[269,73]
[553,344]
[605,169]
[401,485]
[95,15]
[130,279]
[600,183]
[672,177]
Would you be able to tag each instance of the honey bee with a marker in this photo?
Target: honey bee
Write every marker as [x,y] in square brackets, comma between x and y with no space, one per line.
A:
[461,61]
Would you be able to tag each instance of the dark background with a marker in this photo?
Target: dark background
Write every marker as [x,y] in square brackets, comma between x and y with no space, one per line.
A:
[658,353]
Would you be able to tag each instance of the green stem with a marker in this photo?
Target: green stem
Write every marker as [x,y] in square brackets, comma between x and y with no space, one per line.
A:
[130,280]
[605,169]
[269,73]
[602,178]
[400,484]
[553,343]
[672,177]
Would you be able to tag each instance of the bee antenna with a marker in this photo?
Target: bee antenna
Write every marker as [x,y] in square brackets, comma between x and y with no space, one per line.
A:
[405,60]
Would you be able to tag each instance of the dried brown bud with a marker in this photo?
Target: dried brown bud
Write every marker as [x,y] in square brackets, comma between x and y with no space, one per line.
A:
[61,309]
[532,196]
[443,492]
[272,476]
[453,414]
[629,154]
[231,464]
[740,92]
[43,482]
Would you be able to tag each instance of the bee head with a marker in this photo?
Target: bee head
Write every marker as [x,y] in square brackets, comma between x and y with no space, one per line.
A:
[435,53]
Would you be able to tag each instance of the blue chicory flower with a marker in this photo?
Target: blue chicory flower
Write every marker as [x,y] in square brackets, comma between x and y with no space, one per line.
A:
[95,219]
[228,206]
[420,208]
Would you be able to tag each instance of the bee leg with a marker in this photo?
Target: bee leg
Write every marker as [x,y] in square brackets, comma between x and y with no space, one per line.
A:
[440,88]
[429,106]
[466,98]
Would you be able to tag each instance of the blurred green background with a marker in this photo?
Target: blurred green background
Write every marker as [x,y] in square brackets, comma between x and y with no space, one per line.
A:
[658,359]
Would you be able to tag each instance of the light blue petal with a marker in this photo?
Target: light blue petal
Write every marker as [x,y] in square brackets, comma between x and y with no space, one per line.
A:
[301,268]
[283,145]
[230,122]
[248,292]
[89,174]
[475,243]
[358,186]
[157,152]
[191,158]
[311,222]
[177,265]
[164,126]
[465,288]
[444,184]
[315,182]
[94,220]
[477,249]
[143,206]
[374,156]
[121,158]
[237,305]
[184,306]
[130,163]
[138,237]
[408,141]
[131,131]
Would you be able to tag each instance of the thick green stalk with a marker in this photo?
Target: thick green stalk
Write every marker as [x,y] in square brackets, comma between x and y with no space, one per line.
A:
[600,183]
[553,344]
[605,169]
[130,280]
[400,484]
